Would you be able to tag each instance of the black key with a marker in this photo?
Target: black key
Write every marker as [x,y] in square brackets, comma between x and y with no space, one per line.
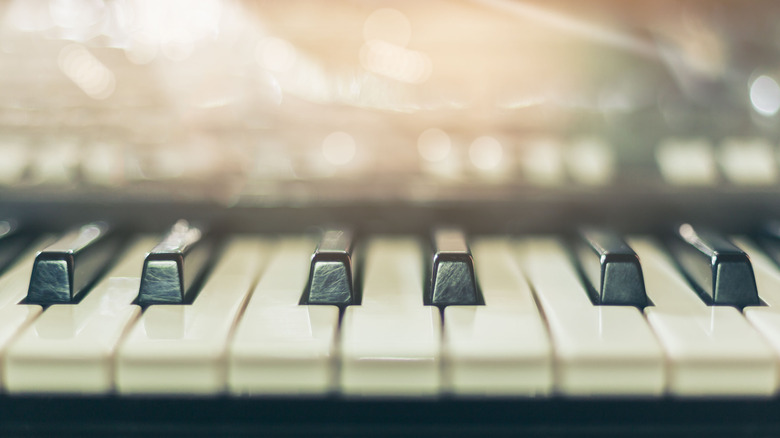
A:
[719,271]
[612,268]
[174,266]
[330,277]
[65,270]
[12,243]
[769,240]
[452,274]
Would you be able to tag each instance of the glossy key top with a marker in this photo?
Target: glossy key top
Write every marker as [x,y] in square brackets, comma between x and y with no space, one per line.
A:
[66,269]
[719,271]
[330,277]
[612,268]
[452,273]
[173,266]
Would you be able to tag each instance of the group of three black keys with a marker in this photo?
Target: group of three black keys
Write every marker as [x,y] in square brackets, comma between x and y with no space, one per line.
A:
[173,270]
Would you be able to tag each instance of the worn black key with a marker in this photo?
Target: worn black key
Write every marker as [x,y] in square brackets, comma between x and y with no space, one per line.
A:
[173,267]
[12,242]
[66,269]
[452,273]
[719,271]
[331,275]
[612,268]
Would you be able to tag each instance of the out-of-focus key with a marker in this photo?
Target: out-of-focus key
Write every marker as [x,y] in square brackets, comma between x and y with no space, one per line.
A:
[330,277]
[70,348]
[501,348]
[173,266]
[612,268]
[719,271]
[280,346]
[597,349]
[710,350]
[67,268]
[390,344]
[452,273]
[183,349]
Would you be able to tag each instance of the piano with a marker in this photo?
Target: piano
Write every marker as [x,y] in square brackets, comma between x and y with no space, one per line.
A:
[348,218]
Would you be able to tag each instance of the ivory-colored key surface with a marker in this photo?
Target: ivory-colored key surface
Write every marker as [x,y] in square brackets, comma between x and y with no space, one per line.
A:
[183,348]
[14,282]
[70,348]
[766,319]
[501,348]
[280,346]
[710,350]
[390,345]
[598,350]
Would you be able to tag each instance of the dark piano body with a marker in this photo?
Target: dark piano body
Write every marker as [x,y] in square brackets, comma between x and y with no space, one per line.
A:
[499,118]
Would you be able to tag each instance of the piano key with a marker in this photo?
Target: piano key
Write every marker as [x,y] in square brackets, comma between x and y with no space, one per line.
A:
[598,350]
[769,240]
[710,350]
[687,162]
[720,272]
[280,346]
[173,266]
[765,319]
[330,277]
[391,344]
[501,348]
[183,349]
[15,281]
[765,268]
[590,161]
[612,268]
[70,348]
[66,269]
[748,161]
[12,242]
[452,272]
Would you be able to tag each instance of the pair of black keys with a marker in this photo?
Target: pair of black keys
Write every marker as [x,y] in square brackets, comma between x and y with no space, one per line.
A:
[67,268]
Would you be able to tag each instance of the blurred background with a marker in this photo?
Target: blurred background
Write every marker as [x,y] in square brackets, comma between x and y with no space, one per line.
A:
[437,103]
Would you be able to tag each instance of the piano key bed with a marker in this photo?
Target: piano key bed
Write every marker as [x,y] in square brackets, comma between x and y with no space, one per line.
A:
[532,346]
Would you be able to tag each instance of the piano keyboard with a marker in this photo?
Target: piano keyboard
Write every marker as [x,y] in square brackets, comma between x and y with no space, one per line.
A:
[687,314]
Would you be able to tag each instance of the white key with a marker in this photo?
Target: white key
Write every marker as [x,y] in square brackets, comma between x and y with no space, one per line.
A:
[765,271]
[390,345]
[542,162]
[598,349]
[16,159]
[281,347]
[749,161]
[590,161]
[70,348]
[687,161]
[766,319]
[501,348]
[183,348]
[14,283]
[710,350]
